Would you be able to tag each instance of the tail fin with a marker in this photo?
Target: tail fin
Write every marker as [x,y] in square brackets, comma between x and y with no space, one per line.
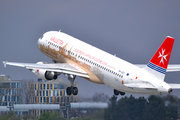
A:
[159,62]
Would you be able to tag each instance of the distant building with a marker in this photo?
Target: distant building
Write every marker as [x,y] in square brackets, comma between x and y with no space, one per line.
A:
[41,92]
[50,92]
[10,91]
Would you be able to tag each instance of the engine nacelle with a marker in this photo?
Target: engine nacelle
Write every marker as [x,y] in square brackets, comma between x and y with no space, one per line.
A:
[45,75]
[49,75]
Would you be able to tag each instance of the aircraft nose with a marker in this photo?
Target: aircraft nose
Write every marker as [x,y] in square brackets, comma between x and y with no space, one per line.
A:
[38,42]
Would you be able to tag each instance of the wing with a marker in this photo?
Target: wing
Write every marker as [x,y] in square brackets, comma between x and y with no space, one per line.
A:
[174,86]
[170,68]
[66,68]
[141,86]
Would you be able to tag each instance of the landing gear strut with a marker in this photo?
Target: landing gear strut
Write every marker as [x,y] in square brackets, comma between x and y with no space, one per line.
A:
[71,90]
[116,92]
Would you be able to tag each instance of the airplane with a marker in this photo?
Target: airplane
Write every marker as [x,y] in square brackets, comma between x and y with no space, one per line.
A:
[73,57]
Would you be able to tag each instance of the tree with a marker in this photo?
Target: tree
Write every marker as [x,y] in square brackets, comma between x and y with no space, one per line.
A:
[155,109]
[139,109]
[96,115]
[27,117]
[51,116]
[97,97]
[129,108]
[172,99]
[27,89]
[111,108]
[100,97]
[8,116]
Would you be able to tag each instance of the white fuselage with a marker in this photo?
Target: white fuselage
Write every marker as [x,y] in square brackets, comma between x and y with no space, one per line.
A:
[102,67]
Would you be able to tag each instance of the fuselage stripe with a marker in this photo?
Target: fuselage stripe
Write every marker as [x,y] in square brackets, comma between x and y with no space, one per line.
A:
[156,68]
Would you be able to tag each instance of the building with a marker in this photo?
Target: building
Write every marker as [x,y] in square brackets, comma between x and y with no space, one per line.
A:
[10,91]
[50,92]
[42,92]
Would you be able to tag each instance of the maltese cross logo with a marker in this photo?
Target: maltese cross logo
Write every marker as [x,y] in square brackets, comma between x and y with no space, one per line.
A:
[162,56]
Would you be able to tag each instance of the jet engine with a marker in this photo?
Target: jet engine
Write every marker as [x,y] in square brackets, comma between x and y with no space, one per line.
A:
[49,75]
[45,75]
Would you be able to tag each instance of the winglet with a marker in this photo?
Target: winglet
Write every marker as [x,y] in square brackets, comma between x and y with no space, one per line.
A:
[4,62]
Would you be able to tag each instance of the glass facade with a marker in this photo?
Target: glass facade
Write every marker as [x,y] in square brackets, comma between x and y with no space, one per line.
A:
[47,86]
[10,92]
[54,92]
[50,93]
[51,86]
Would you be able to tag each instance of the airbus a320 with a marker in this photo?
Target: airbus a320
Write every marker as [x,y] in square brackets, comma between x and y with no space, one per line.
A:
[73,57]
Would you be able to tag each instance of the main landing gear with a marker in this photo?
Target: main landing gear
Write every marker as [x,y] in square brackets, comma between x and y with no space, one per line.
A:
[116,92]
[72,90]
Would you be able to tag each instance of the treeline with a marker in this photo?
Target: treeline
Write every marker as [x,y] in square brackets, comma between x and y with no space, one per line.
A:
[153,108]
[126,108]
[12,116]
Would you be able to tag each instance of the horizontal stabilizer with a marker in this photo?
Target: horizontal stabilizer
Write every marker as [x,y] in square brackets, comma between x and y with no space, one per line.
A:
[141,86]
[173,68]
[174,86]
[170,68]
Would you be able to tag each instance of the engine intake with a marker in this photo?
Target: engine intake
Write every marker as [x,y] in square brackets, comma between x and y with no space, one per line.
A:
[49,75]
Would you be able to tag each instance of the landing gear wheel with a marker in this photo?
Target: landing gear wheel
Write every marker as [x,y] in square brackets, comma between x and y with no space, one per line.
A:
[75,91]
[116,92]
[68,90]
[122,93]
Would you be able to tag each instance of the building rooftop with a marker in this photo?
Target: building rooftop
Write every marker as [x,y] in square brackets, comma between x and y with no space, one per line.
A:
[4,77]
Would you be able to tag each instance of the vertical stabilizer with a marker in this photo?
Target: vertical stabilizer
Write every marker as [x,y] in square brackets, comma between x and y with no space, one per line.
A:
[159,62]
